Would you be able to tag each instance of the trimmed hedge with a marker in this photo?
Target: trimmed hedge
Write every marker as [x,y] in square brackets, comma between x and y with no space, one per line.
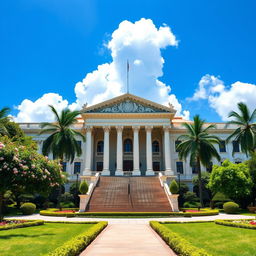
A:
[28,208]
[28,223]
[230,223]
[231,207]
[76,245]
[52,212]
[180,245]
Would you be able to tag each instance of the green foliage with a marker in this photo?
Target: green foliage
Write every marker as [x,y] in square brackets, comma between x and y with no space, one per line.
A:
[180,245]
[191,197]
[25,224]
[231,223]
[76,245]
[231,179]
[23,169]
[174,188]
[28,208]
[54,212]
[3,119]
[66,197]
[245,134]
[198,145]
[231,207]
[220,197]
[252,169]
[83,187]
[183,190]
[191,204]
[67,205]
[62,142]
[205,191]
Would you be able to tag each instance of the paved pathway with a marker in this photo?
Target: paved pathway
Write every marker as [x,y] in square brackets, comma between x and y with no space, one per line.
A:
[128,240]
[133,220]
[132,237]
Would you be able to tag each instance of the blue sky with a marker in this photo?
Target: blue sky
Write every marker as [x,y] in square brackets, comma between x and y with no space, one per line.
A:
[48,46]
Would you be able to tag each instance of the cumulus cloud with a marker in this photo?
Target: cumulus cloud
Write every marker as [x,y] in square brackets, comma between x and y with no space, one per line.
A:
[222,98]
[38,111]
[140,43]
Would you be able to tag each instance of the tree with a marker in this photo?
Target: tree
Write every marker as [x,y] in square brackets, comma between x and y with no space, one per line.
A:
[62,141]
[233,180]
[3,119]
[252,170]
[245,134]
[23,169]
[205,190]
[198,145]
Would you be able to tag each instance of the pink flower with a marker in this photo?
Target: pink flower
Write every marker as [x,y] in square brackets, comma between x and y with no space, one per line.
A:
[5,167]
[1,158]
[1,145]
[33,166]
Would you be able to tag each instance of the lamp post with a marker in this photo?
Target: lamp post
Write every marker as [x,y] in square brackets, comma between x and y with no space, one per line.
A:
[179,180]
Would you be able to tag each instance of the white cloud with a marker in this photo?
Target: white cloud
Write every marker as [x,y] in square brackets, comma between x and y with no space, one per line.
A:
[39,111]
[140,43]
[224,99]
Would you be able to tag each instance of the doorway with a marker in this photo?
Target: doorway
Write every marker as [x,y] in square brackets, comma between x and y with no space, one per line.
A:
[128,165]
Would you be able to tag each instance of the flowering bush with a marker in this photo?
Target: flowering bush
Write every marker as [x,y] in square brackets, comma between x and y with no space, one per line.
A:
[22,168]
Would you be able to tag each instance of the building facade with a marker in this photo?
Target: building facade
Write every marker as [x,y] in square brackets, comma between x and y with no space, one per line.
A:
[129,135]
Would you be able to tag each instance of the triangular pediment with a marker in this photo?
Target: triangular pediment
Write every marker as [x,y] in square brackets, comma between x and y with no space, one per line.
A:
[128,103]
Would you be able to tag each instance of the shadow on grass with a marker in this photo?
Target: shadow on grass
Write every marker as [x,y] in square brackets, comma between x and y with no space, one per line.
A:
[23,235]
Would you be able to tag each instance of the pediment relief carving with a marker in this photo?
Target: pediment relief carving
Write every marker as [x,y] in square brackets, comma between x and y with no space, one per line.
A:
[127,106]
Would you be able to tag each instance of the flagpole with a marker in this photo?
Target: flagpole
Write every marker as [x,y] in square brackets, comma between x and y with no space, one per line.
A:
[127,73]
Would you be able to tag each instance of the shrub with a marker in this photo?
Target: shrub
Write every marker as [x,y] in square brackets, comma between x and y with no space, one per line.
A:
[28,208]
[174,187]
[191,205]
[25,224]
[67,205]
[83,187]
[180,245]
[234,223]
[76,245]
[231,207]
[66,197]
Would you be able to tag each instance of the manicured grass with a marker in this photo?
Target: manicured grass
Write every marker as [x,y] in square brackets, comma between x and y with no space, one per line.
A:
[38,240]
[218,240]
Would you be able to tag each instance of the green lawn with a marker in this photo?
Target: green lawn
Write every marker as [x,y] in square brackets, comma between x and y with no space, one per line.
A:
[217,239]
[38,240]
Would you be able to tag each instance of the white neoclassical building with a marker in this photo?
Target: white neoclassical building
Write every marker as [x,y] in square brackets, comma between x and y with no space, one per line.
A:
[129,135]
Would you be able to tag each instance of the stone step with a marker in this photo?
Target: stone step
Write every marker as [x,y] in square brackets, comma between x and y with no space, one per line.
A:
[130,194]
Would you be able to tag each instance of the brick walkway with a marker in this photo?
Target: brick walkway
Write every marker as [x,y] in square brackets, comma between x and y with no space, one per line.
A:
[128,240]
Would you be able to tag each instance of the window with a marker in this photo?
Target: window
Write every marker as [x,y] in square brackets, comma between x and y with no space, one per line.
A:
[222,146]
[235,146]
[179,167]
[77,167]
[156,166]
[64,166]
[194,169]
[209,167]
[177,143]
[127,145]
[79,142]
[100,147]
[99,166]
[155,147]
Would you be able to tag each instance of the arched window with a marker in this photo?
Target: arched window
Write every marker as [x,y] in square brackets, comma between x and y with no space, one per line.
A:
[155,146]
[127,145]
[100,147]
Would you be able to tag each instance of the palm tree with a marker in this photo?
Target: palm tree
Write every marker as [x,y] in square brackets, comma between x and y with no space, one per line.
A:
[198,145]
[3,120]
[62,142]
[245,134]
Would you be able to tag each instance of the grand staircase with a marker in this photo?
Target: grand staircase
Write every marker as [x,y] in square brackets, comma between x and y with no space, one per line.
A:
[129,194]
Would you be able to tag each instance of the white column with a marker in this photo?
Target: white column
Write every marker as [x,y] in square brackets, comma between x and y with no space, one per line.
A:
[136,152]
[119,151]
[106,151]
[167,151]
[149,170]
[88,151]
